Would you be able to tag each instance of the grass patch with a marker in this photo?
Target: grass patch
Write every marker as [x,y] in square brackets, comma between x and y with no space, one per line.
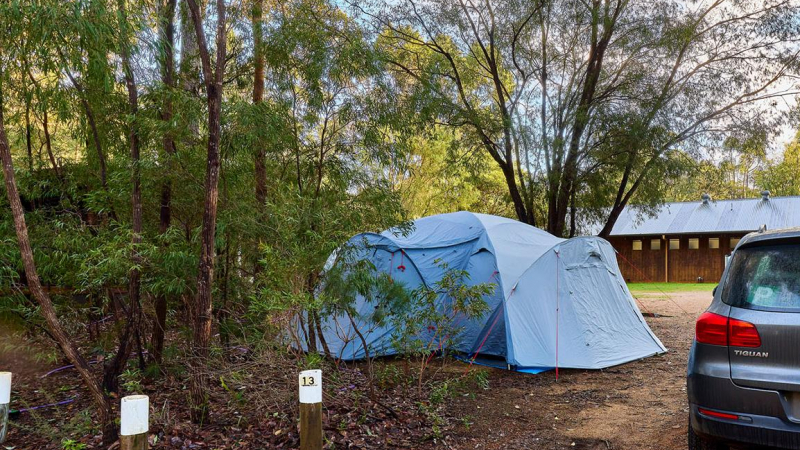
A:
[670,287]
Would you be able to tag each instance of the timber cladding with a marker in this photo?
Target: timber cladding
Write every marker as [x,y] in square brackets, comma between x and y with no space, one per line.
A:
[687,242]
[684,258]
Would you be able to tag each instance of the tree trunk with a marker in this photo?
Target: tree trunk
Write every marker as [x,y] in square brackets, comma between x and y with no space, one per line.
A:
[167,29]
[523,214]
[258,97]
[202,308]
[311,339]
[573,211]
[49,145]
[28,144]
[624,197]
[46,129]
[603,27]
[321,336]
[34,284]
[612,219]
[132,316]
[136,178]
[189,64]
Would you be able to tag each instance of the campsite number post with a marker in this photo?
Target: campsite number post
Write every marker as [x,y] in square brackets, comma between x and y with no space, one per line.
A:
[311,410]
[5,400]
[134,422]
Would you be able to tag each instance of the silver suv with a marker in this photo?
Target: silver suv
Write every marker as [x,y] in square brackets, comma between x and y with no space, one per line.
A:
[743,380]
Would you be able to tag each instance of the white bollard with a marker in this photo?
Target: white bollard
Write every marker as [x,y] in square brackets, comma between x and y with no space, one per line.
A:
[5,400]
[134,422]
[310,385]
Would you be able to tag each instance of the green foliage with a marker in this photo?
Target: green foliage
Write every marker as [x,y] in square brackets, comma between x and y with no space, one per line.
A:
[131,381]
[366,121]
[430,321]
[389,375]
[69,444]
[783,177]
[237,395]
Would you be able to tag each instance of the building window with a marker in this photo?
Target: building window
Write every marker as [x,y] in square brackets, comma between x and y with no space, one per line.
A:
[694,243]
[734,242]
[655,244]
[637,245]
[674,244]
[713,242]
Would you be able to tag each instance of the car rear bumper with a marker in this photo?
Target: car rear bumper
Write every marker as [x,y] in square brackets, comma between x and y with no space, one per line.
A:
[750,429]
[764,417]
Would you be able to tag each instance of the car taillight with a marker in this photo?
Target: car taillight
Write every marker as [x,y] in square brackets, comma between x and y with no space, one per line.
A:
[715,329]
[712,329]
[743,334]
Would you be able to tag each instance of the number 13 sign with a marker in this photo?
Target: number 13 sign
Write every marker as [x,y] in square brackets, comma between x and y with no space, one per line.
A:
[310,386]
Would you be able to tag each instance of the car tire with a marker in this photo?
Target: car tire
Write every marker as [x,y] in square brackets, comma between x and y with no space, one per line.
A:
[697,442]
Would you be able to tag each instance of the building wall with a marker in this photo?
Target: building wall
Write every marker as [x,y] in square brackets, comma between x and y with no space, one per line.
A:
[684,265]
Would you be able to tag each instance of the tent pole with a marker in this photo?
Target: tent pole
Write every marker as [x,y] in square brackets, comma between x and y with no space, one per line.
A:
[558,307]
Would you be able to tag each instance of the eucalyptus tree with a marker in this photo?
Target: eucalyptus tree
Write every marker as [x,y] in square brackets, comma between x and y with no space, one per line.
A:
[202,314]
[132,332]
[68,347]
[782,177]
[317,131]
[257,20]
[19,24]
[555,90]
[714,70]
[166,10]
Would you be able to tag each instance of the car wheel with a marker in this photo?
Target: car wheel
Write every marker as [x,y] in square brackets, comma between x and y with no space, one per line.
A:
[697,442]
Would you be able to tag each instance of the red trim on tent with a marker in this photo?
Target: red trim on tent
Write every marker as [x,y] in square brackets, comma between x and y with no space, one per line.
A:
[489,331]
[401,267]
[558,305]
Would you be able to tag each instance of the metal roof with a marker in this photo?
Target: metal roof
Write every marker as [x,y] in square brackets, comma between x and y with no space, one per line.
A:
[709,216]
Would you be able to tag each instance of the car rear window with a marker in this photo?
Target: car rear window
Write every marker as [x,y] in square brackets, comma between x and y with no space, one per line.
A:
[765,278]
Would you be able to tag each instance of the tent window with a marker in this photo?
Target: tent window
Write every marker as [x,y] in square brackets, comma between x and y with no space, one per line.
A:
[637,245]
[655,244]
[734,242]
[674,244]
[694,243]
[713,242]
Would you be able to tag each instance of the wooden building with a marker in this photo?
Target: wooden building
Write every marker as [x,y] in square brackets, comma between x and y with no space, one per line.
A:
[688,242]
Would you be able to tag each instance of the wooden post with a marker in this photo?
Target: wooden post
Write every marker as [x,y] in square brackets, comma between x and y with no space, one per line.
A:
[311,410]
[134,422]
[5,400]
[666,259]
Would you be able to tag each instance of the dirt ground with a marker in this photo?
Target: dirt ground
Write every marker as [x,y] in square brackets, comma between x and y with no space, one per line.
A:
[640,405]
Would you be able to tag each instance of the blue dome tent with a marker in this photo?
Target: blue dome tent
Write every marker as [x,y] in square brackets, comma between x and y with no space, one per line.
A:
[556,303]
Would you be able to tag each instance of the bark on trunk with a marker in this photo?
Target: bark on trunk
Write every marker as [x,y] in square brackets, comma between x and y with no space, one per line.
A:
[28,144]
[134,288]
[49,145]
[167,25]
[46,129]
[603,27]
[258,97]
[202,308]
[321,336]
[189,64]
[612,219]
